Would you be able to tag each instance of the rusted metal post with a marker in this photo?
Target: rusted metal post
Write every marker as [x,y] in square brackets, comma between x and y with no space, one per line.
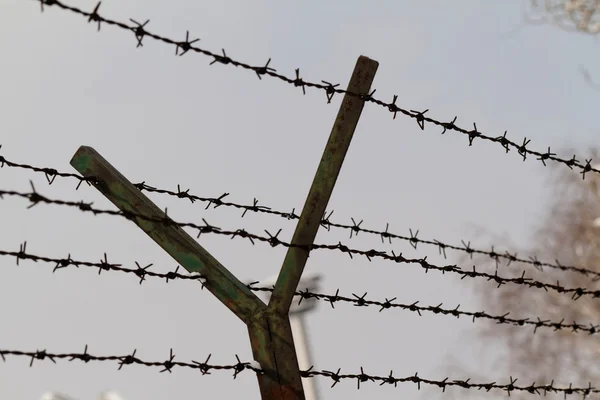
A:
[272,348]
[322,186]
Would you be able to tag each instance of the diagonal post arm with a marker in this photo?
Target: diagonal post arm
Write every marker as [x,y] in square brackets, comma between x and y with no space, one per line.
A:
[270,336]
[322,186]
[172,238]
[268,327]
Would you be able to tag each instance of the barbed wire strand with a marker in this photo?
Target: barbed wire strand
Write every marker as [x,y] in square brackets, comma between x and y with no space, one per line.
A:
[35,198]
[355,228]
[336,377]
[167,365]
[182,47]
[142,272]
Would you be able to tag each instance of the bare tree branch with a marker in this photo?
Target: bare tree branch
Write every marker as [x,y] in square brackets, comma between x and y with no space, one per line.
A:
[571,15]
[568,233]
[589,79]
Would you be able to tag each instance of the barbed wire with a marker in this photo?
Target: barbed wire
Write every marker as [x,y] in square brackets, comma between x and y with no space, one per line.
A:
[35,198]
[355,228]
[103,265]
[336,377]
[49,173]
[358,301]
[362,301]
[182,47]
[167,365]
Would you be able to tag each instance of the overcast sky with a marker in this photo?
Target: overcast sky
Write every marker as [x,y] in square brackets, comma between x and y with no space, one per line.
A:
[214,129]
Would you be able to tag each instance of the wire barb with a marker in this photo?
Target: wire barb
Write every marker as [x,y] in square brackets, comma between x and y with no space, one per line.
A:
[369,254]
[326,223]
[336,377]
[139,31]
[358,301]
[330,90]
[185,46]
[167,365]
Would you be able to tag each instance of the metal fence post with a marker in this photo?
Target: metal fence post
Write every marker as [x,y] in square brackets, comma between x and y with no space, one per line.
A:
[268,326]
[323,183]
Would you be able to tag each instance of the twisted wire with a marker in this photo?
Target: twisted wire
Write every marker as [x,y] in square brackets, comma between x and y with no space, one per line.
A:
[184,46]
[358,301]
[103,265]
[355,228]
[336,377]
[129,359]
[35,198]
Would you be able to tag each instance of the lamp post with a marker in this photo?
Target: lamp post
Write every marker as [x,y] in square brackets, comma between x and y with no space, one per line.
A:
[297,313]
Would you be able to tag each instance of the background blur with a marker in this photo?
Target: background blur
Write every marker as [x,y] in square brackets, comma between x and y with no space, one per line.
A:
[214,129]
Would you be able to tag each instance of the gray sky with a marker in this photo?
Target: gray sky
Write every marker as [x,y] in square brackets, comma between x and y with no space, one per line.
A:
[170,120]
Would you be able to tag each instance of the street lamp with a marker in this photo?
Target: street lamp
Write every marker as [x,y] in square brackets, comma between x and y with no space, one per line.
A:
[297,311]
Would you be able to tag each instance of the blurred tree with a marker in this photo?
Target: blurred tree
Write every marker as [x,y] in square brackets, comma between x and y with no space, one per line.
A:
[571,15]
[582,16]
[568,231]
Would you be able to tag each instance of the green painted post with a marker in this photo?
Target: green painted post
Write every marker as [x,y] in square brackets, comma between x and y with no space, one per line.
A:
[172,238]
[322,186]
[272,348]
[268,327]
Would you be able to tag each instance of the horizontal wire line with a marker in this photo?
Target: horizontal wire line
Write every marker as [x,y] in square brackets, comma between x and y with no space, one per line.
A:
[182,47]
[169,364]
[35,198]
[355,228]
